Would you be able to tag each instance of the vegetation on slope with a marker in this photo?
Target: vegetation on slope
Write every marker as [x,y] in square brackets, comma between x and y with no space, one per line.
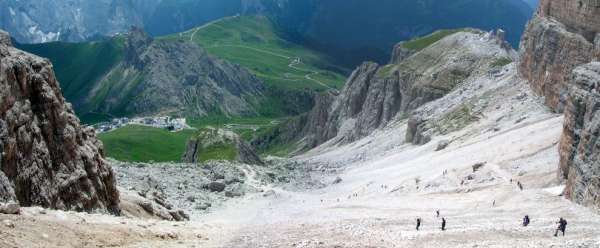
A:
[254,42]
[79,65]
[291,72]
[421,43]
[144,144]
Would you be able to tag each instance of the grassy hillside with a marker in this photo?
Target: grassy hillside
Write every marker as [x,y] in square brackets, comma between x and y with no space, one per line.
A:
[144,144]
[421,43]
[78,66]
[254,42]
[290,71]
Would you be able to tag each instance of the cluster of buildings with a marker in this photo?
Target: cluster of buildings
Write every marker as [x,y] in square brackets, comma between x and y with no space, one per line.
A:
[166,122]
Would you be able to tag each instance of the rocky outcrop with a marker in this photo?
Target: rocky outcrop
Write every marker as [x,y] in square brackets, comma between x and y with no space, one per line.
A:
[219,144]
[47,158]
[400,53]
[174,77]
[375,95]
[580,142]
[561,36]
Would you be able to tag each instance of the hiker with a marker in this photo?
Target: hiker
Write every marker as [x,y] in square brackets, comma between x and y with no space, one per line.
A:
[520,185]
[443,224]
[418,223]
[437,212]
[494,203]
[562,226]
[526,220]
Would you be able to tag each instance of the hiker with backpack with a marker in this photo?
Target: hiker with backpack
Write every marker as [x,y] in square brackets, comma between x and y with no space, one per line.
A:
[562,226]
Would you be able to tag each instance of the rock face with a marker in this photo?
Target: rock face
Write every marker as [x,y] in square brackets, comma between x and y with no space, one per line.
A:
[223,144]
[374,94]
[580,143]
[48,158]
[561,36]
[173,77]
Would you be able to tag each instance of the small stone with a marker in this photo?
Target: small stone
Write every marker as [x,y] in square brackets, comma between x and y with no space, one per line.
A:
[478,166]
[8,223]
[337,180]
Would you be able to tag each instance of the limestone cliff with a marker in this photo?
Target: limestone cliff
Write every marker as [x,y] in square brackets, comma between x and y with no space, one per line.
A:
[47,158]
[580,143]
[556,48]
[561,36]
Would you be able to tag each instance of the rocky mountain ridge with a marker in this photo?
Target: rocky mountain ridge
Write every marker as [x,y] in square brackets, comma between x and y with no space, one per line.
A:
[174,77]
[375,95]
[48,159]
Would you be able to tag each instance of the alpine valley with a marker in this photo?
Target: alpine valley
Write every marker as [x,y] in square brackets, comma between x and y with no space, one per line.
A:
[300,123]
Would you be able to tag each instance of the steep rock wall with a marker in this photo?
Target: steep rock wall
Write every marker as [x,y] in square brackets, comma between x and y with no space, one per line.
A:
[47,158]
[556,48]
[580,143]
[561,36]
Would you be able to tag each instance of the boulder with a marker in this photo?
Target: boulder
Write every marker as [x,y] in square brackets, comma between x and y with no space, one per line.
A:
[10,208]
[442,145]
[478,166]
[179,215]
[215,186]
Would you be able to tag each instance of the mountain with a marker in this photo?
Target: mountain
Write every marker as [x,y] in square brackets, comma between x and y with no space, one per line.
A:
[48,159]
[350,30]
[71,20]
[376,95]
[235,67]
[557,48]
[358,30]
[137,75]
[83,20]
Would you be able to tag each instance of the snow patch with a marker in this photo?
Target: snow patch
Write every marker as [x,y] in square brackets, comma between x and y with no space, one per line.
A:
[557,190]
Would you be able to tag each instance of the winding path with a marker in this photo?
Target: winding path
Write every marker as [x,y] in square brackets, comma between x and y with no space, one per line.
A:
[294,61]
